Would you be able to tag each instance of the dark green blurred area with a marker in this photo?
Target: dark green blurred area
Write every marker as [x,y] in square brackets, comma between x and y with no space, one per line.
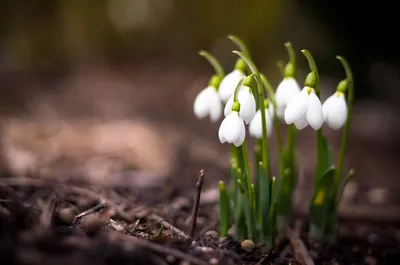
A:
[44,35]
[36,34]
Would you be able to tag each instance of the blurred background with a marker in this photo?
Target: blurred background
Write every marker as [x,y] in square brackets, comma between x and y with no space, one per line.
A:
[104,88]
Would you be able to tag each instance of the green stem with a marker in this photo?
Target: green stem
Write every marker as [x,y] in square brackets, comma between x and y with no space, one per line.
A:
[214,63]
[345,135]
[271,95]
[247,167]
[281,67]
[239,85]
[292,54]
[313,68]
[240,43]
[261,97]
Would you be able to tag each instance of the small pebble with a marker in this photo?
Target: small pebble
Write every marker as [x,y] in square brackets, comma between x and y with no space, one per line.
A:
[184,262]
[212,233]
[204,249]
[247,245]
[373,239]
[213,261]
[194,243]
[377,196]
[66,215]
[92,223]
[170,259]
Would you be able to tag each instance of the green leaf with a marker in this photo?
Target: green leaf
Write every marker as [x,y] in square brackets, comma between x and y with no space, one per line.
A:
[347,179]
[270,233]
[239,217]
[284,198]
[264,198]
[224,210]
[320,203]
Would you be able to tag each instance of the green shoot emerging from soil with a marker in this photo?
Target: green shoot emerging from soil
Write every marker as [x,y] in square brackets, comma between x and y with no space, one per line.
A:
[255,203]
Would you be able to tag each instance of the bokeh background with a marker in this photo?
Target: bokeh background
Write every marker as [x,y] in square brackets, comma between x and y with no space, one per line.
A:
[103,89]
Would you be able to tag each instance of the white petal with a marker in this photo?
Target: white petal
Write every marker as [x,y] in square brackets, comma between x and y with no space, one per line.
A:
[242,135]
[314,113]
[326,107]
[301,123]
[292,89]
[297,107]
[247,104]
[337,111]
[287,89]
[231,127]
[255,127]
[215,109]
[228,106]
[228,84]
[201,103]
[221,131]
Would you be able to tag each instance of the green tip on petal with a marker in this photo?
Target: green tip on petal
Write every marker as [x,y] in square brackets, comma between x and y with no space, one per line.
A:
[342,86]
[240,65]
[311,80]
[236,106]
[215,80]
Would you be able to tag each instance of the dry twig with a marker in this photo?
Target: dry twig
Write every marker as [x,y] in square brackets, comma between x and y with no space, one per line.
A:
[196,203]
[300,251]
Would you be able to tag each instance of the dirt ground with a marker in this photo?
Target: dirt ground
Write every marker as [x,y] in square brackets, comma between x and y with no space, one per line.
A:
[131,156]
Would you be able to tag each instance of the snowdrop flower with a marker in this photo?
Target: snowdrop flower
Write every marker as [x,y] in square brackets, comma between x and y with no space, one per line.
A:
[305,108]
[207,102]
[335,110]
[287,89]
[247,104]
[255,127]
[232,128]
[231,80]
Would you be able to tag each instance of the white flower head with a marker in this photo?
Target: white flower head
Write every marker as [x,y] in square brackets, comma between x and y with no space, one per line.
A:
[335,110]
[207,103]
[247,104]
[229,84]
[232,129]
[287,89]
[255,127]
[305,108]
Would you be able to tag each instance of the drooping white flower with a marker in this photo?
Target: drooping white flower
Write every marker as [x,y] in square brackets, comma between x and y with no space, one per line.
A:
[305,108]
[229,83]
[207,103]
[287,89]
[255,127]
[232,129]
[247,104]
[335,110]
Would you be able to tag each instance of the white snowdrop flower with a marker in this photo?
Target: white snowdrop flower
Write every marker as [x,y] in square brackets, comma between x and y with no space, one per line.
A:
[232,129]
[287,89]
[305,108]
[255,127]
[229,83]
[247,104]
[335,110]
[207,103]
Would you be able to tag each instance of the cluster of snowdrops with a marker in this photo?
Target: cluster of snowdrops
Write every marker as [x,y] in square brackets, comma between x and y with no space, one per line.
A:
[256,204]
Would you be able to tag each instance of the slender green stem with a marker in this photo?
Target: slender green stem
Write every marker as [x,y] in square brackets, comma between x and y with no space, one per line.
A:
[214,63]
[313,68]
[261,98]
[246,166]
[239,85]
[271,96]
[345,135]
[292,54]
[281,67]
[241,45]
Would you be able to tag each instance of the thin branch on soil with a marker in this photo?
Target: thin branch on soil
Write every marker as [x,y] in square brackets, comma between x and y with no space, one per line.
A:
[160,220]
[196,203]
[89,211]
[299,248]
[157,248]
